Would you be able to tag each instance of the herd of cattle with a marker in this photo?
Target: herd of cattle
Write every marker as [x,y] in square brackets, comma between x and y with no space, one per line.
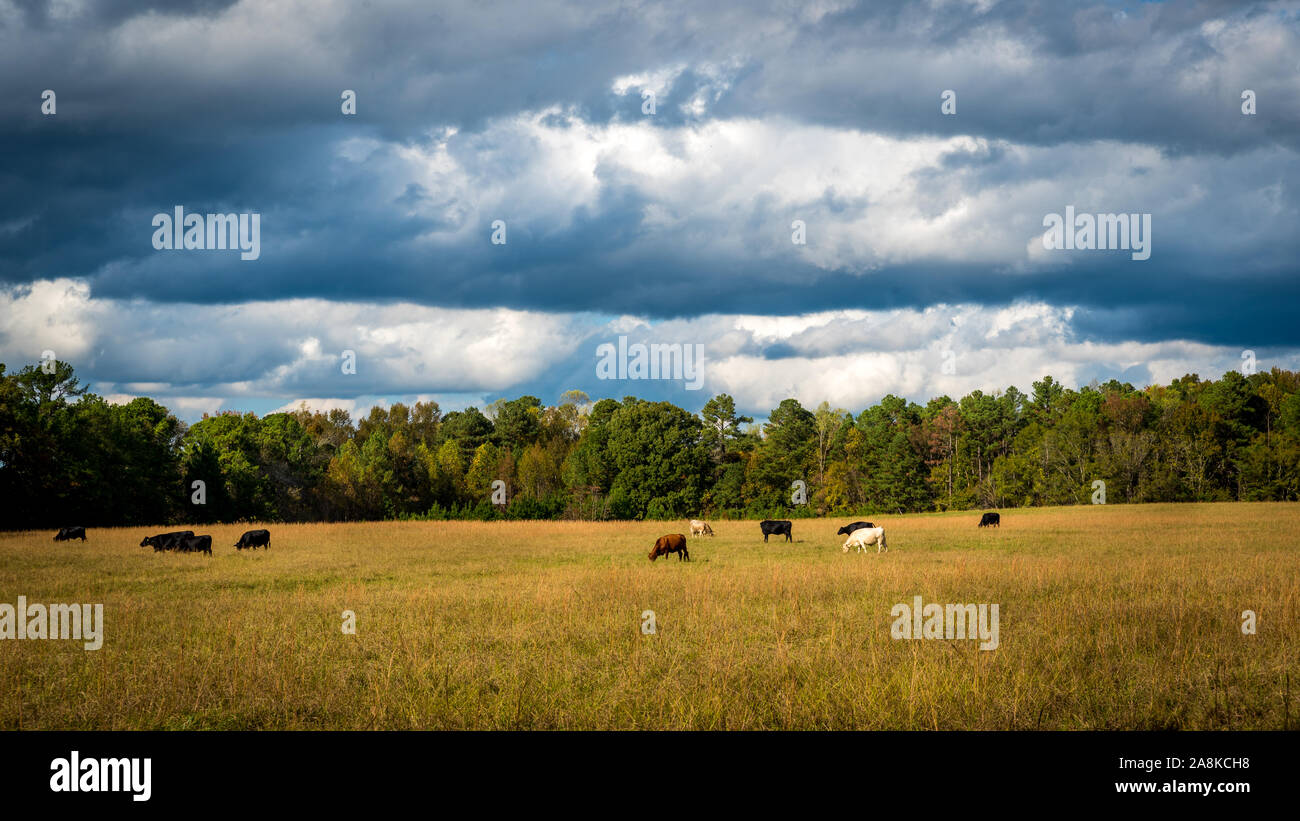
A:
[181,541]
[860,535]
[184,541]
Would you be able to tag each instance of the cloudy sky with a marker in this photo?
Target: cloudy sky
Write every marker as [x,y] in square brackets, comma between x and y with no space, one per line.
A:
[924,229]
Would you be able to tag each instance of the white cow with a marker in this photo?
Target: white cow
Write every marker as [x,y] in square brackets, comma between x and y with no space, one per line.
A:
[864,536]
[699,528]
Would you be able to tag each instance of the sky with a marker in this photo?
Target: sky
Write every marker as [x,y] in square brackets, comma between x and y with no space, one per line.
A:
[649,168]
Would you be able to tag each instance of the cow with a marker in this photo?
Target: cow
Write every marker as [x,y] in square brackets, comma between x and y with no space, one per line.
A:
[776,527]
[699,528]
[196,544]
[254,539]
[864,536]
[165,541]
[173,541]
[991,520]
[68,533]
[849,528]
[672,543]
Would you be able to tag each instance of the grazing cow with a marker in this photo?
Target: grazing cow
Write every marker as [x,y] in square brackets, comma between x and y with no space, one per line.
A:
[991,520]
[699,528]
[254,538]
[672,543]
[166,541]
[173,541]
[849,528]
[777,527]
[68,533]
[196,544]
[864,536]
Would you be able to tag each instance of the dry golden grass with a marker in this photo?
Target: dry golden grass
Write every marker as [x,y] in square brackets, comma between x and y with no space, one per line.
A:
[1119,617]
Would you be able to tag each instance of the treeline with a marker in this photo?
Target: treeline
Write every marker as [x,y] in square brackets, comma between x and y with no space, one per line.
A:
[67,456]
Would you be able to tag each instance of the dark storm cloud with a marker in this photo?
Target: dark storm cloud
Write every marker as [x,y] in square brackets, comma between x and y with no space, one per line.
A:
[223,107]
[1025,71]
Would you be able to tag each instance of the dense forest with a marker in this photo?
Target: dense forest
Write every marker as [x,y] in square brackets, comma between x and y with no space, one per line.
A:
[69,457]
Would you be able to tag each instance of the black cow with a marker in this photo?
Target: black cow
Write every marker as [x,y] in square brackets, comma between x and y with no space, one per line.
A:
[174,541]
[254,538]
[776,527]
[69,533]
[991,520]
[849,528]
[166,541]
[196,544]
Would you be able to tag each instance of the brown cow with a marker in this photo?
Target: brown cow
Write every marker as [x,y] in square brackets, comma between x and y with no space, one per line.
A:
[672,543]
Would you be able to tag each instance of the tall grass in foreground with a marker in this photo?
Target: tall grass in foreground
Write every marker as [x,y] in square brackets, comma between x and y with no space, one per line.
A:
[1125,617]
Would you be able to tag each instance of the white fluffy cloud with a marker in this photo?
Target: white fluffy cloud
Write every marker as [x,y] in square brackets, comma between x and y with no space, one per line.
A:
[733,187]
[278,348]
[853,358]
[849,358]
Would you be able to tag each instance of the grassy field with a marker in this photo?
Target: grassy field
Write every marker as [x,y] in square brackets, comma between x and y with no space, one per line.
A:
[1115,617]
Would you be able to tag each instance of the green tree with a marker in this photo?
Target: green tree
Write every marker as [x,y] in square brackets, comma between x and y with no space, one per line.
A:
[657,451]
